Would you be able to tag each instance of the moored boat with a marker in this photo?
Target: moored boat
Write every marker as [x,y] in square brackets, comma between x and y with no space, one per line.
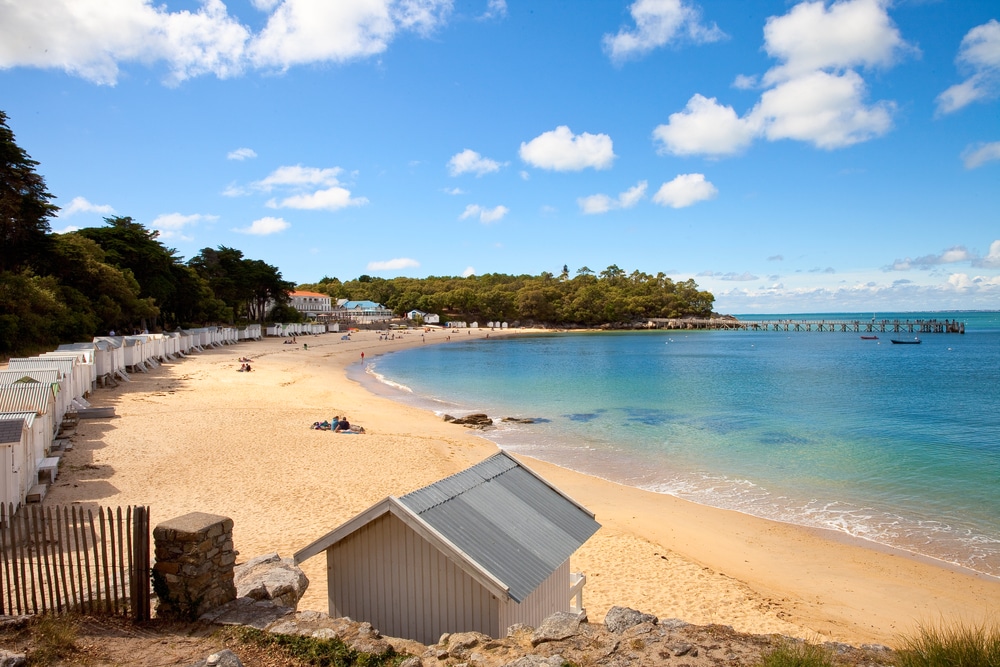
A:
[915,341]
[869,338]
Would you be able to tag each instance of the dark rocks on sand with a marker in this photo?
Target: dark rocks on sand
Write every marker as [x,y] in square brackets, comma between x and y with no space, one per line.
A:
[620,619]
[478,420]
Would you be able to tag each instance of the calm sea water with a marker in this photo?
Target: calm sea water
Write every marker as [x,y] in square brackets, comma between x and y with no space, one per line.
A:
[898,444]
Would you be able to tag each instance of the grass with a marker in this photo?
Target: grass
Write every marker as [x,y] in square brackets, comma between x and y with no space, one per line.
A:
[53,638]
[798,655]
[954,646]
[323,652]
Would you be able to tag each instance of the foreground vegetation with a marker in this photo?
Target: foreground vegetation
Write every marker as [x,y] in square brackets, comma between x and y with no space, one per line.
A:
[69,640]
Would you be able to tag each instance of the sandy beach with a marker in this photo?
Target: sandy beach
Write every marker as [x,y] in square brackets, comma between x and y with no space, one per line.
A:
[195,435]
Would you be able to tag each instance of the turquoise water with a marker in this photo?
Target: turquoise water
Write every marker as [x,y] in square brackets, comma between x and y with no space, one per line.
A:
[898,444]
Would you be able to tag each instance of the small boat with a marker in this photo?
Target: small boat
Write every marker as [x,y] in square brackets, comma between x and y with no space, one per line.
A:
[915,341]
[869,338]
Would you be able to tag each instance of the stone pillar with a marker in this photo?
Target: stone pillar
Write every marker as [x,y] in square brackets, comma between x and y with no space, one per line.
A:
[194,565]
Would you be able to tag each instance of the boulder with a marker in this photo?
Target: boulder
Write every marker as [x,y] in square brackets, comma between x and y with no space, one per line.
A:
[272,578]
[620,619]
[477,420]
[560,625]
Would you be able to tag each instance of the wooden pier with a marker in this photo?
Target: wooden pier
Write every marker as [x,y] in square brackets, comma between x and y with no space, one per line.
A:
[841,326]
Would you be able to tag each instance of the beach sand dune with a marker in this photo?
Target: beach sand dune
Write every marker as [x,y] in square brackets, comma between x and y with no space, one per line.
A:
[196,435]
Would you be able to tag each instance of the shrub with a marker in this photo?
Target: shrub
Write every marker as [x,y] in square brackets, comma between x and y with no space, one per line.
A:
[956,646]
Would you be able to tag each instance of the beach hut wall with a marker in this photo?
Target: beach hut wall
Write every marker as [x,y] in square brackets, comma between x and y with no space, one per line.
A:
[37,399]
[84,369]
[27,459]
[113,354]
[14,456]
[475,552]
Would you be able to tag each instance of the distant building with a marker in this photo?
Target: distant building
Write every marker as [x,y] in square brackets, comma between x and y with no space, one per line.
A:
[428,318]
[361,312]
[311,304]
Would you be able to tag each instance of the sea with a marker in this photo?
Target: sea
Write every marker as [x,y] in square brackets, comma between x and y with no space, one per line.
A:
[895,444]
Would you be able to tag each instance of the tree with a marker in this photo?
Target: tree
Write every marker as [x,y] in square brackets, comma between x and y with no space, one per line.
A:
[24,206]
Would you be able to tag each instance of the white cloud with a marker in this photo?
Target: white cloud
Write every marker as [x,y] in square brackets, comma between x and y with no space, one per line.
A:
[469,271]
[469,161]
[601,203]
[394,264]
[745,82]
[705,127]
[495,9]
[308,31]
[485,215]
[979,54]
[81,205]
[811,95]
[265,226]
[992,260]
[746,276]
[241,154]
[659,22]
[561,150]
[849,33]
[330,199]
[823,109]
[977,156]
[94,38]
[454,191]
[176,221]
[685,190]
[298,176]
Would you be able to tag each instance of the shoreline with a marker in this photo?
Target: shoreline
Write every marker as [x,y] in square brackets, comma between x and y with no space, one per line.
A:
[194,436]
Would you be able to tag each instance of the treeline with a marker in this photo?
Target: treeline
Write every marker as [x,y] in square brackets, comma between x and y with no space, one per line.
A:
[57,288]
[611,297]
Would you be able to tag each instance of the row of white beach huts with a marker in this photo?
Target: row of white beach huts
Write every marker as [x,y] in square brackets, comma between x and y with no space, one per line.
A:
[39,394]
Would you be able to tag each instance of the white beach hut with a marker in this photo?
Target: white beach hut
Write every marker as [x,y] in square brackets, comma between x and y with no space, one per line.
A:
[478,551]
[14,453]
[68,380]
[36,398]
[50,377]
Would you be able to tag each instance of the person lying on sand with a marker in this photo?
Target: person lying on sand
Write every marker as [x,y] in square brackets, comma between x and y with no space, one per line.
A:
[344,426]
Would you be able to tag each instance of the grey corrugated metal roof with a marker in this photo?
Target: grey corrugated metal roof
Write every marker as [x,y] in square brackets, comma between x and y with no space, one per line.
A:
[27,417]
[510,522]
[49,375]
[26,396]
[10,430]
[64,365]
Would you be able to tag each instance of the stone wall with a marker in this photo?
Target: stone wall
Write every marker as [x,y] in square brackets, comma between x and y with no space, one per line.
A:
[194,565]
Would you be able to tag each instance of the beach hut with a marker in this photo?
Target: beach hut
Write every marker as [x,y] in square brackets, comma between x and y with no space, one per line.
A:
[51,377]
[14,454]
[478,551]
[67,378]
[38,399]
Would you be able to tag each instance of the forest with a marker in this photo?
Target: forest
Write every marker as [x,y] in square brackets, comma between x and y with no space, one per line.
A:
[68,287]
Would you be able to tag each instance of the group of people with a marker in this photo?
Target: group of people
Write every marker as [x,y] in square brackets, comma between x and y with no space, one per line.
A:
[245,365]
[337,425]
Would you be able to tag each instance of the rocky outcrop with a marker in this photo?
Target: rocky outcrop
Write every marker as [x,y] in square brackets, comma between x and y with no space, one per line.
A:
[620,619]
[478,420]
[272,578]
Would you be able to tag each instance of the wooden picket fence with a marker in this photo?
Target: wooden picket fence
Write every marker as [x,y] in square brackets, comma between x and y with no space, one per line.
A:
[57,559]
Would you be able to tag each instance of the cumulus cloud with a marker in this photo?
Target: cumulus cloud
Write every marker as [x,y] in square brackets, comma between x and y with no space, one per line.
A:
[397,264]
[330,199]
[813,94]
[705,127]
[601,203]
[177,221]
[953,255]
[265,226]
[992,259]
[685,190]
[561,150]
[746,276]
[469,271]
[307,188]
[81,205]
[979,54]
[485,215]
[495,9]
[657,23]
[241,154]
[471,162]
[980,154]
[94,39]
[846,34]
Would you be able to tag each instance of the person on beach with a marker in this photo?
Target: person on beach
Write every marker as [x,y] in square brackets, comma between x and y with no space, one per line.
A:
[362,357]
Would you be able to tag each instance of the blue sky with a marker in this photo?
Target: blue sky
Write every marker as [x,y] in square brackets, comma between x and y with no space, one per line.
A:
[790,157]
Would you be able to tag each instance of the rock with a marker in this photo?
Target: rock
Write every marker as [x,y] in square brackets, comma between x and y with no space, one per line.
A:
[477,420]
[518,420]
[10,659]
[536,661]
[412,661]
[556,627]
[620,619]
[224,658]
[459,643]
[271,578]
